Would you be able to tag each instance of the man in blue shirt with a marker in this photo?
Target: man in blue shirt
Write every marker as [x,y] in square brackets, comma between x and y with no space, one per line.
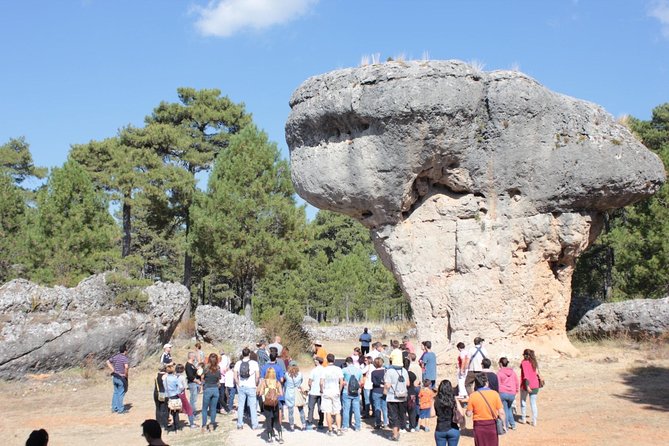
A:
[429,361]
[351,399]
[365,340]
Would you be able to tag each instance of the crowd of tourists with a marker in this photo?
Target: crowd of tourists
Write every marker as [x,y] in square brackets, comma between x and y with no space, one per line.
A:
[393,386]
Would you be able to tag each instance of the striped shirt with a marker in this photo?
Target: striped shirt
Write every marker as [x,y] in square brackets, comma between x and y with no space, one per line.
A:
[119,361]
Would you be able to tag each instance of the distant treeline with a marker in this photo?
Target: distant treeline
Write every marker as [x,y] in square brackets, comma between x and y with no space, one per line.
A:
[131,203]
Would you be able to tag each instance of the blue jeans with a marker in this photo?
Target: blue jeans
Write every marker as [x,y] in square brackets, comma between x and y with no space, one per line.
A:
[209,400]
[194,389]
[533,405]
[368,401]
[349,402]
[119,394]
[247,395]
[507,402]
[232,391]
[450,437]
[380,407]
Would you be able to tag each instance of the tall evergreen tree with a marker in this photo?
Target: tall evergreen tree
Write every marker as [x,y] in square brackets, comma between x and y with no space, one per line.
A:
[12,219]
[74,233]
[205,121]
[17,162]
[248,225]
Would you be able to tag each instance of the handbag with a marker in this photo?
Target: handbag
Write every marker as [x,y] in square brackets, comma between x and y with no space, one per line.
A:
[458,416]
[161,395]
[498,422]
[174,404]
[300,400]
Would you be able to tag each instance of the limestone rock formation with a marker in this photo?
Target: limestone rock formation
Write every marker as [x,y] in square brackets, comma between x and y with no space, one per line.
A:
[480,189]
[216,325]
[638,318]
[47,329]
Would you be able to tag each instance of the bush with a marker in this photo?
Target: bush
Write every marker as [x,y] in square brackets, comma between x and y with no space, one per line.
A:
[128,291]
[290,329]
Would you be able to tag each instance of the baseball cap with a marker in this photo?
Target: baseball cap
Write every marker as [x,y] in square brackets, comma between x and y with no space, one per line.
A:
[168,345]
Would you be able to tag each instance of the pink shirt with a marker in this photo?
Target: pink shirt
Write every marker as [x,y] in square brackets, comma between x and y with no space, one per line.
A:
[508,380]
[529,374]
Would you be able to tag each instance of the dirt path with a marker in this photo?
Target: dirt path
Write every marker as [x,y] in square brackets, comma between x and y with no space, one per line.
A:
[612,395]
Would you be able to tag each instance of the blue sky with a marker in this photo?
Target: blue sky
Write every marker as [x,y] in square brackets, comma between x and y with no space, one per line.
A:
[80,69]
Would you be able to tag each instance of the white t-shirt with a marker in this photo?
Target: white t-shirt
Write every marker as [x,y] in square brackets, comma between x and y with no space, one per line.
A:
[315,377]
[475,360]
[279,347]
[223,367]
[229,378]
[332,376]
[367,371]
[254,371]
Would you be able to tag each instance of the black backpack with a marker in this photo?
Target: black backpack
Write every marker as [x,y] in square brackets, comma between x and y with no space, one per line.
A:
[244,370]
[353,386]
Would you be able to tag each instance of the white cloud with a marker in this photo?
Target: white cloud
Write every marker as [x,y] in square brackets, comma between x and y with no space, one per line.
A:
[223,18]
[660,11]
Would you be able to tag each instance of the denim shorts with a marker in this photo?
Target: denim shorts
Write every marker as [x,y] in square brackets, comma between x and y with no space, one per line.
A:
[424,413]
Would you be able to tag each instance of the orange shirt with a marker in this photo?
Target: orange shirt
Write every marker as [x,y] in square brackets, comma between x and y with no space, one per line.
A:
[322,353]
[425,398]
[479,408]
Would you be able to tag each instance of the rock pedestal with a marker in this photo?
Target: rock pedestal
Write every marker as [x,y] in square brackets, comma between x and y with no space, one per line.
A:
[480,189]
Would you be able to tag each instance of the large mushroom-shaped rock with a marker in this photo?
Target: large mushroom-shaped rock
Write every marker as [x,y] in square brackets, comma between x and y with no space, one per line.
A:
[480,189]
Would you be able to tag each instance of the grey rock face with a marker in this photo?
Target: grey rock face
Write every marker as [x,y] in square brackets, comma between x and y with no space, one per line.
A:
[637,318]
[337,333]
[217,325]
[480,189]
[47,329]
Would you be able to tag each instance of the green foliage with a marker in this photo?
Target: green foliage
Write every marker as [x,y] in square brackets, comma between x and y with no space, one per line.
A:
[12,221]
[631,258]
[17,162]
[128,290]
[73,235]
[247,226]
[289,327]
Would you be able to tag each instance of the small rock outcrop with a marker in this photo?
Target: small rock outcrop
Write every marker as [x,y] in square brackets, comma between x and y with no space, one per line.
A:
[638,318]
[48,329]
[337,333]
[480,189]
[216,325]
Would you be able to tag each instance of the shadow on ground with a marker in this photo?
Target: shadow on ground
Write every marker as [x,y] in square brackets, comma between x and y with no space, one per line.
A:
[648,386]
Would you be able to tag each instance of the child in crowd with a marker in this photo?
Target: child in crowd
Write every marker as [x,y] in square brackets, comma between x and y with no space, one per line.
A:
[230,388]
[425,401]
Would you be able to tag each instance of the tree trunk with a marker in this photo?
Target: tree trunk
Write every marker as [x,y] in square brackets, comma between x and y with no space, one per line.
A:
[127,226]
[188,259]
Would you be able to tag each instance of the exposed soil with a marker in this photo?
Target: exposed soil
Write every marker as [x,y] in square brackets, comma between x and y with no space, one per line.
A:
[615,393]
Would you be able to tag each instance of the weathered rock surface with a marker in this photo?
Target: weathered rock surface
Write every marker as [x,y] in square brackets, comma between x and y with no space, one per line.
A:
[47,329]
[480,189]
[638,318]
[338,333]
[216,325]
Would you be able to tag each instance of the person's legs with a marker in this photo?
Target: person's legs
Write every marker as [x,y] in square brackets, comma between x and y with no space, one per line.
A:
[205,406]
[300,409]
[384,410]
[163,414]
[336,406]
[310,409]
[232,391]
[368,402]
[535,410]
[523,405]
[251,396]
[291,416]
[356,413]
[376,408]
[507,402]
[346,405]
[213,402]
[117,402]
[453,437]
[268,422]
[440,438]
[241,403]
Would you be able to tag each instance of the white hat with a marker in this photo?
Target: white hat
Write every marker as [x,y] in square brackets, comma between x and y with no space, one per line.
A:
[167,345]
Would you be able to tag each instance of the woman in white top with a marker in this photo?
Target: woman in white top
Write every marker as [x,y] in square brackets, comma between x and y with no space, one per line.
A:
[367,368]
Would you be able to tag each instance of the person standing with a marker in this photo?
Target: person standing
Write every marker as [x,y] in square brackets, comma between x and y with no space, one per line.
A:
[367,370]
[315,395]
[293,395]
[271,391]
[529,385]
[173,387]
[159,398]
[263,354]
[351,389]
[152,433]
[425,400]
[365,340]
[429,363]
[473,363]
[408,345]
[223,365]
[277,345]
[379,403]
[185,404]
[320,352]
[447,432]
[332,381]
[166,357]
[230,389]
[210,393]
[118,364]
[247,377]
[193,382]
[493,383]
[462,369]
[508,388]
[485,407]
[396,381]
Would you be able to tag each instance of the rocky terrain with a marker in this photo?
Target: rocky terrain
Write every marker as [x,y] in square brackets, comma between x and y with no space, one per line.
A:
[45,329]
[480,189]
